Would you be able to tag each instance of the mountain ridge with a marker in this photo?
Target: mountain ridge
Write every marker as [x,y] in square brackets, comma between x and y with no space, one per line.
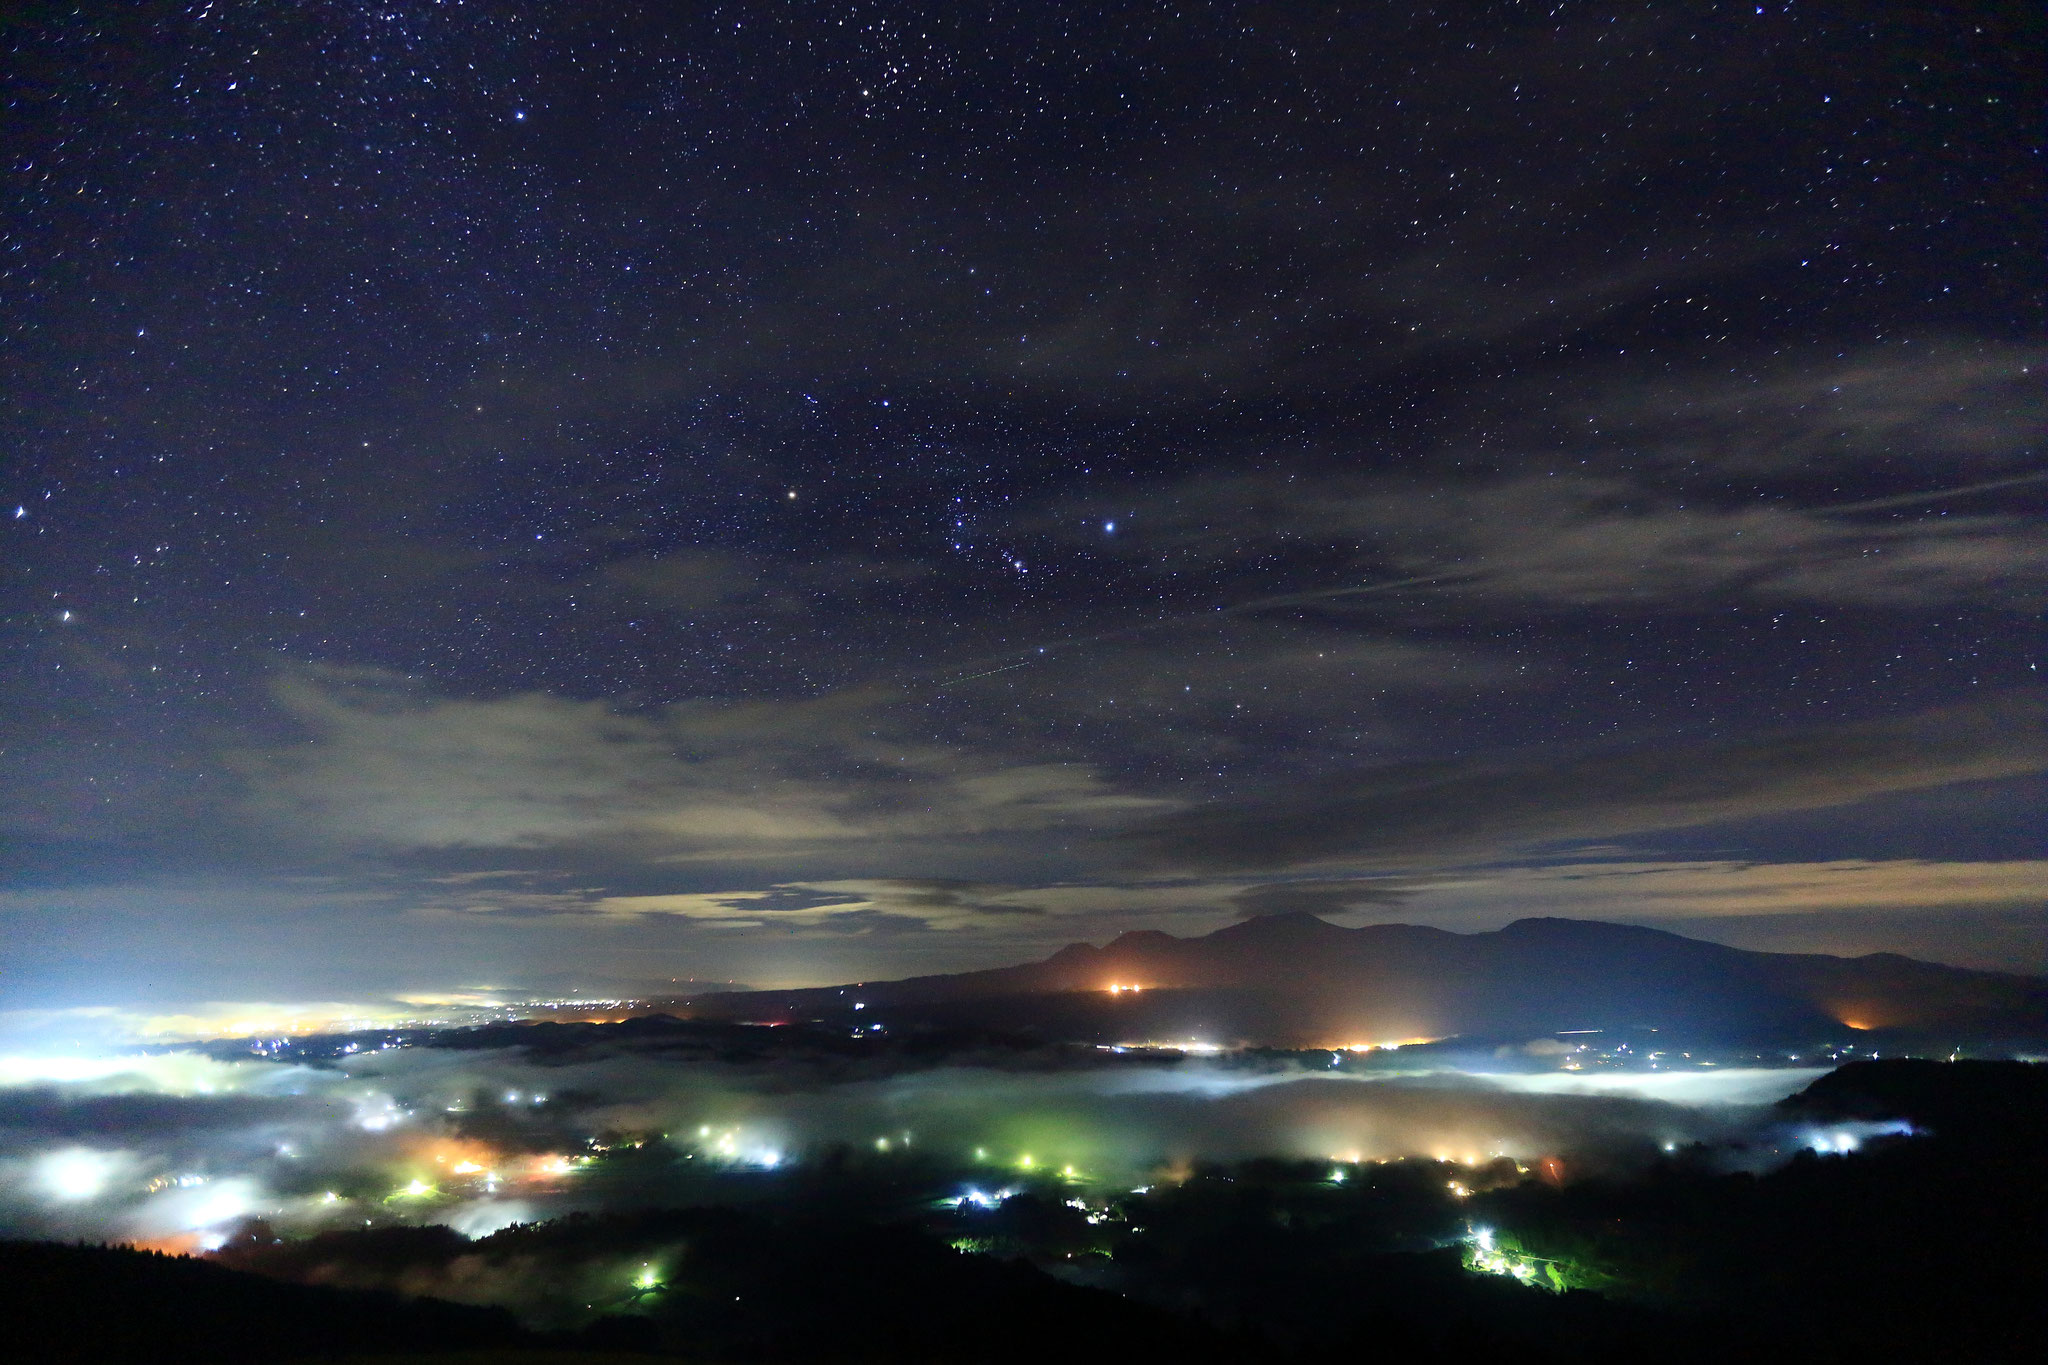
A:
[1296,979]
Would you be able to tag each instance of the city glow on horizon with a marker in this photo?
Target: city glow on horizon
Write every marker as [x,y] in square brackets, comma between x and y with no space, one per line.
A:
[1389,1046]
[71,1031]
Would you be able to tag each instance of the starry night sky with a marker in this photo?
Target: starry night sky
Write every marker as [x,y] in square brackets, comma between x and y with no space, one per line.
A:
[560,498]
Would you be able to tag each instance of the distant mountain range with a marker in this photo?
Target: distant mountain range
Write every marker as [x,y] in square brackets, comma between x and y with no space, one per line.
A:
[1295,980]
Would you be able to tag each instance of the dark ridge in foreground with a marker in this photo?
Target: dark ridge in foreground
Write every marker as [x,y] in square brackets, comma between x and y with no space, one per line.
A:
[784,1285]
[1296,980]
[1918,1247]
[100,1305]
[1978,1102]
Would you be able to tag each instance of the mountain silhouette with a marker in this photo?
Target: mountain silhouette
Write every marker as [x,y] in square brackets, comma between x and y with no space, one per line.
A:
[1294,980]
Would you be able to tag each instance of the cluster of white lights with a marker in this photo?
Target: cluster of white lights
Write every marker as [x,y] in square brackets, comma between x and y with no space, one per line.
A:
[1486,1256]
[730,1146]
[1846,1138]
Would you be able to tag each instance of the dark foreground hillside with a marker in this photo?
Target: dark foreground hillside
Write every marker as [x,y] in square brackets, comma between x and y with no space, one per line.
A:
[1923,1246]
[1926,1247]
[94,1304]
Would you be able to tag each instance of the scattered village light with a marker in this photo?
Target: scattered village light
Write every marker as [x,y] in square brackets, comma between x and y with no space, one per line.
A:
[1486,1255]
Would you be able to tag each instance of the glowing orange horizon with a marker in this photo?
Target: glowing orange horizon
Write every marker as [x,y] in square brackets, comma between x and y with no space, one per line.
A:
[1387,1046]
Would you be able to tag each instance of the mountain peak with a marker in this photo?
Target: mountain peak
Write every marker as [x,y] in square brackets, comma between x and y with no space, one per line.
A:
[1556,926]
[1141,938]
[1297,979]
[1287,924]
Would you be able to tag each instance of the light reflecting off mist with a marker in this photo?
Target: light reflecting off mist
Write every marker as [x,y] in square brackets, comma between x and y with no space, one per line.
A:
[201,1208]
[1839,1139]
[487,1216]
[75,1174]
[170,1073]
[1730,1085]
[419,1135]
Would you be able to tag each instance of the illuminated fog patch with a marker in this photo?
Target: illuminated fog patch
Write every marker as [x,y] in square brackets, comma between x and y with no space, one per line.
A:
[419,1135]
[1730,1085]
[76,1174]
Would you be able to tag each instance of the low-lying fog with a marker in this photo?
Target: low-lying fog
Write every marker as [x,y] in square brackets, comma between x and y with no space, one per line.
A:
[177,1149]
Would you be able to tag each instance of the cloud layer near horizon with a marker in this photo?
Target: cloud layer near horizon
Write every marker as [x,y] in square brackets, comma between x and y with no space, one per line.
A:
[178,1149]
[1481,808]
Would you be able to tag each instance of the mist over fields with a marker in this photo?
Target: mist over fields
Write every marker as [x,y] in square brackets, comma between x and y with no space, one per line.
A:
[178,1149]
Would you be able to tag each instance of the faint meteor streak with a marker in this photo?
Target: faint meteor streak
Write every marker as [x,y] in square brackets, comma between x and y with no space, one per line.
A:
[951,682]
[1932,495]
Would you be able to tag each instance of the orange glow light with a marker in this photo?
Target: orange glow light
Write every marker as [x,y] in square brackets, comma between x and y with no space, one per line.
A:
[1389,1045]
[462,1156]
